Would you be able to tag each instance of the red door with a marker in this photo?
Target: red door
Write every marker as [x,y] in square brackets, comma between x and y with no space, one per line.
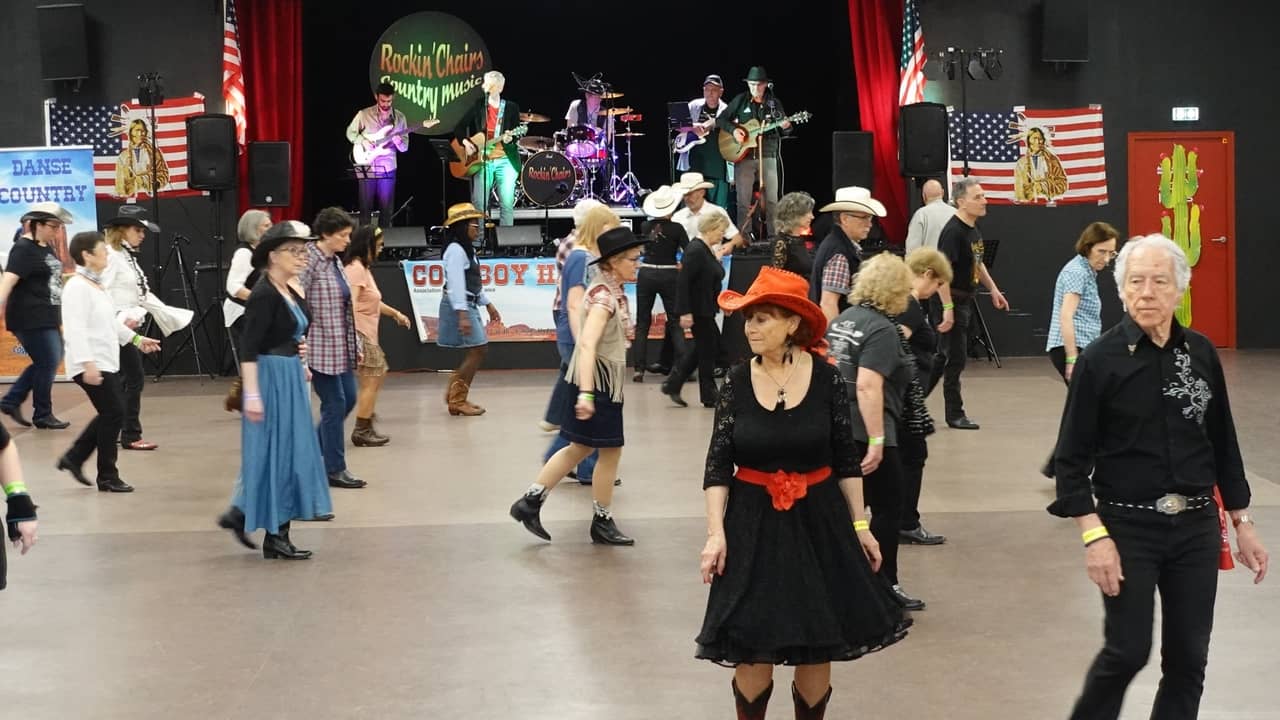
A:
[1183,184]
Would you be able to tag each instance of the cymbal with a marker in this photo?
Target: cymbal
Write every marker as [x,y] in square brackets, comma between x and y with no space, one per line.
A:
[612,95]
[629,134]
[618,111]
[536,143]
[533,117]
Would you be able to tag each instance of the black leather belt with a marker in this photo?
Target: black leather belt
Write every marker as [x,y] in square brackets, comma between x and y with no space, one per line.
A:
[288,349]
[1171,504]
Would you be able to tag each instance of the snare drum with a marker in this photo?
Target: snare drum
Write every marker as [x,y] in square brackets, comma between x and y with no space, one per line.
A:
[582,141]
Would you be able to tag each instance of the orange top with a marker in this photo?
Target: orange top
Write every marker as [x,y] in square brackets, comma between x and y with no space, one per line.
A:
[369,301]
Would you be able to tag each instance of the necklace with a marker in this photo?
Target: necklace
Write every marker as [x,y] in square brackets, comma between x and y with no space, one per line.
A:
[782,386]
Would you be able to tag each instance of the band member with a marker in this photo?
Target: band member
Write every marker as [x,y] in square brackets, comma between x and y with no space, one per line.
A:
[759,104]
[492,116]
[134,164]
[704,157]
[378,183]
[590,112]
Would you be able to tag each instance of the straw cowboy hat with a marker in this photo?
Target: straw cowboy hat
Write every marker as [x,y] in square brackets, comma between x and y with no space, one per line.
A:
[785,289]
[277,235]
[691,181]
[461,211]
[615,241]
[854,199]
[46,211]
[663,201]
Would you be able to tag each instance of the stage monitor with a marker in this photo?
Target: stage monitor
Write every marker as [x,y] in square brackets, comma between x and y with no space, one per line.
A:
[413,236]
[519,235]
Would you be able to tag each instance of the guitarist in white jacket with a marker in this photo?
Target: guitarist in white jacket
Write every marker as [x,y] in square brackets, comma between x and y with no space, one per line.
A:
[379,130]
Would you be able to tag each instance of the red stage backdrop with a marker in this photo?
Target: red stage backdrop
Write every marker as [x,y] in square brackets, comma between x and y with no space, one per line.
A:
[873,25]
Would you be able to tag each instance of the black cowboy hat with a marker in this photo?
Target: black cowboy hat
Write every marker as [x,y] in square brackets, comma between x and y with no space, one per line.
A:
[132,216]
[616,241]
[277,235]
[757,74]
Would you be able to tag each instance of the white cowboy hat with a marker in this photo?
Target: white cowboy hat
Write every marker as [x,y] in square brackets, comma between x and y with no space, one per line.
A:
[49,211]
[663,201]
[691,181]
[855,199]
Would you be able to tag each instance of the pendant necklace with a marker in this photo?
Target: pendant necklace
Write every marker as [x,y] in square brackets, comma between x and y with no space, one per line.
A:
[782,386]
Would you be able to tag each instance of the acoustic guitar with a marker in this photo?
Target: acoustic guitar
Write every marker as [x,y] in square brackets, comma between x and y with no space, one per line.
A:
[468,164]
[380,142]
[734,151]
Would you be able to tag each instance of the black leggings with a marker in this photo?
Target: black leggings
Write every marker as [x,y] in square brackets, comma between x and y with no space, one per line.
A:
[882,492]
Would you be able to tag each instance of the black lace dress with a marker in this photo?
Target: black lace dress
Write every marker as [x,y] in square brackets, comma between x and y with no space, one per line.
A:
[797,588]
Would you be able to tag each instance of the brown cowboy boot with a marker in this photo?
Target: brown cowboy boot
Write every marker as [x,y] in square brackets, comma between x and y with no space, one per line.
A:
[755,709]
[458,404]
[374,429]
[803,711]
[232,401]
[363,435]
[467,379]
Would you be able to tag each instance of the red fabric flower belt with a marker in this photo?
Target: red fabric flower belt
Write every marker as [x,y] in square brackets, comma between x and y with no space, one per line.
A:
[784,487]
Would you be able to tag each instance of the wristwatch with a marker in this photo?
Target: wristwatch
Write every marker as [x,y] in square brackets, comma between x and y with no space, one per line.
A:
[1242,518]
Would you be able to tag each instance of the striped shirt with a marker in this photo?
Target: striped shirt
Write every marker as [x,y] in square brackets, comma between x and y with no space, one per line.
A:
[1080,278]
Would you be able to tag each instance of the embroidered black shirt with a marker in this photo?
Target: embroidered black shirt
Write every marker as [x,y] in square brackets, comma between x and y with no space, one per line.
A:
[1146,421]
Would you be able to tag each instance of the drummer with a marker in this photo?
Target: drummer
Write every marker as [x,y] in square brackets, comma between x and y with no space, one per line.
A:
[590,112]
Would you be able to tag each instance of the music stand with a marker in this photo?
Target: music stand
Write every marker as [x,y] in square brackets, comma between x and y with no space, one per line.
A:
[444,151]
[365,174]
[678,119]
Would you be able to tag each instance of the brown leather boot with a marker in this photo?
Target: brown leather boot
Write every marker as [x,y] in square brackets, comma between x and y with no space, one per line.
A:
[232,401]
[755,709]
[363,435]
[467,379]
[803,711]
[374,430]
[458,404]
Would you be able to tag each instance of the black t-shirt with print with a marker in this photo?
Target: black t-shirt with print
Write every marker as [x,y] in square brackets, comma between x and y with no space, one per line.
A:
[35,302]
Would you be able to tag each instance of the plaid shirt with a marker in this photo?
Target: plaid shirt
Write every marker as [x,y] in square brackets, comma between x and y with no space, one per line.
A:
[332,345]
[1077,277]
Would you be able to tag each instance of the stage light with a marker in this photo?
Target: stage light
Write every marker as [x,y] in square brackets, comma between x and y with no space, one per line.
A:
[992,64]
[974,67]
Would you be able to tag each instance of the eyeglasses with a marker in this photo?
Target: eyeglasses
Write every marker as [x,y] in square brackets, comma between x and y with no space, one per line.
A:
[296,250]
[860,217]
[1109,253]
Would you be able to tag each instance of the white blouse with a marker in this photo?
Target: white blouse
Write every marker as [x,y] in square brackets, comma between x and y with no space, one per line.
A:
[241,268]
[90,327]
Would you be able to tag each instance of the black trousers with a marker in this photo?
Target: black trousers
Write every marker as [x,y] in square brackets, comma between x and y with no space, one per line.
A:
[955,345]
[706,348]
[380,192]
[882,491]
[650,284]
[914,450]
[1057,356]
[1176,555]
[103,431]
[132,380]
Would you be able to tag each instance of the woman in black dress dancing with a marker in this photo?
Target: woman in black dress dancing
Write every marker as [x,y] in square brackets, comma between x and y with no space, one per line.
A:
[789,553]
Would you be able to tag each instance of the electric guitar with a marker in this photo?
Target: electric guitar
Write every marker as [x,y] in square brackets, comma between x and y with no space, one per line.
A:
[688,139]
[734,151]
[379,142]
[469,164]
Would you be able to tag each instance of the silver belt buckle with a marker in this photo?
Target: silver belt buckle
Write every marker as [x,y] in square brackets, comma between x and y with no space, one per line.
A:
[1172,504]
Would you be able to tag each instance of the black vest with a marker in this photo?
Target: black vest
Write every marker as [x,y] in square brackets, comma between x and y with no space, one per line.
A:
[835,243]
[250,281]
[582,115]
[472,273]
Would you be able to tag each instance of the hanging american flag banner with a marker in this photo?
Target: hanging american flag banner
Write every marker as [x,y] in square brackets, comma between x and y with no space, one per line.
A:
[123,144]
[232,74]
[1032,157]
[911,62]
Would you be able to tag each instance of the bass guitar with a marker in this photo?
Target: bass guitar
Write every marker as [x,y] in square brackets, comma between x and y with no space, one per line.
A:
[470,163]
[379,143]
[734,151]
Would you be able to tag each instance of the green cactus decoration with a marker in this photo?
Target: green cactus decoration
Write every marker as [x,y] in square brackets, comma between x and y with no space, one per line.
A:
[1179,180]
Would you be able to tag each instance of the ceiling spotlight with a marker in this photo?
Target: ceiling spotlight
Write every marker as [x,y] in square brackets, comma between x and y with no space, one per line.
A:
[994,68]
[975,65]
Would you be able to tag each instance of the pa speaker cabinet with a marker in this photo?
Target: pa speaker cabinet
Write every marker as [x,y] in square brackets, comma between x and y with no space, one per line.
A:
[64,53]
[1065,31]
[519,235]
[412,236]
[211,152]
[922,139]
[269,174]
[851,154]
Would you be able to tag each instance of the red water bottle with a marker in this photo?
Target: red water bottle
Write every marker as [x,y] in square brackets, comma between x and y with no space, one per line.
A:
[1224,554]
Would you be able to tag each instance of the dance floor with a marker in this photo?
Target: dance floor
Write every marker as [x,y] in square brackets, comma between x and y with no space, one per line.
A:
[424,600]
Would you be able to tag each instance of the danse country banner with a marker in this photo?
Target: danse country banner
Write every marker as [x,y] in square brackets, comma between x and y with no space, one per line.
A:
[523,289]
[32,175]
[1030,156]
[436,63]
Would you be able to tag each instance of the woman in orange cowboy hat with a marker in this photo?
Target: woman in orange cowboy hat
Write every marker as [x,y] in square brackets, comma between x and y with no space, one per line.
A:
[789,554]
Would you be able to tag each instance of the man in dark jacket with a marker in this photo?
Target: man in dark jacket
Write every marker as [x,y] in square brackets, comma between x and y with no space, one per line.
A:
[836,260]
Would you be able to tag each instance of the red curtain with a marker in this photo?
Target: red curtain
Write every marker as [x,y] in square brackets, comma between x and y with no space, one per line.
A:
[875,68]
[271,55]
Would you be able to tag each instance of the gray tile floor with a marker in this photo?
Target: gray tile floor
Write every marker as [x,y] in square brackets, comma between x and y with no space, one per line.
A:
[424,600]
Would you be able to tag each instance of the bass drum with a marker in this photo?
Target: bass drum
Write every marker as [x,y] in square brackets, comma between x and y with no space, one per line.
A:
[548,178]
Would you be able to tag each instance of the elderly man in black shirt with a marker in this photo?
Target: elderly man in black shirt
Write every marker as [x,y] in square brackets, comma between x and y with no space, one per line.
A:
[1147,416]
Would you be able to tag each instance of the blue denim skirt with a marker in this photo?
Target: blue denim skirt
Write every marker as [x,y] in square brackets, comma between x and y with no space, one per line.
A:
[602,430]
[449,332]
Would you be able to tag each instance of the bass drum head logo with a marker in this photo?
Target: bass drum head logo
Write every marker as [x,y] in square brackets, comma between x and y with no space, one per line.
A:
[436,63]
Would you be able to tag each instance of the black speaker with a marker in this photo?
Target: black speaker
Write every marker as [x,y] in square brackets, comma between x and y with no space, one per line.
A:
[1065,31]
[269,174]
[211,152]
[851,154]
[922,139]
[519,235]
[64,54]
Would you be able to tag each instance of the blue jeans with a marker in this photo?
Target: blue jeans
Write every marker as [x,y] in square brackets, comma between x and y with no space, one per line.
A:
[498,172]
[562,402]
[44,347]
[337,399]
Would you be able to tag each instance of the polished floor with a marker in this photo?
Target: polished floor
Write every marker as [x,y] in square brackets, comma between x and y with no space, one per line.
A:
[424,600]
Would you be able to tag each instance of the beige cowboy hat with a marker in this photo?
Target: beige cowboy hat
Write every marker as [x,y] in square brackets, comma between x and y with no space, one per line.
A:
[855,199]
[49,211]
[691,181]
[663,201]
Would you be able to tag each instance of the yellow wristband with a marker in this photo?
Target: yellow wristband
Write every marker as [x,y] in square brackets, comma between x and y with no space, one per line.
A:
[948,306]
[1071,360]
[1094,534]
[875,440]
[859,525]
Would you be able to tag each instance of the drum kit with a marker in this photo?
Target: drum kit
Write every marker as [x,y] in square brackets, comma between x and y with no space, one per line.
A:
[580,161]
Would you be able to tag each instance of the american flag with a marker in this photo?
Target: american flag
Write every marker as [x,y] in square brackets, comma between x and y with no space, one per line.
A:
[997,140]
[232,73]
[911,63]
[105,127]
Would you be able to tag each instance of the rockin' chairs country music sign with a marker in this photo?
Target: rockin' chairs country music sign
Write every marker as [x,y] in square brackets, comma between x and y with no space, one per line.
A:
[436,63]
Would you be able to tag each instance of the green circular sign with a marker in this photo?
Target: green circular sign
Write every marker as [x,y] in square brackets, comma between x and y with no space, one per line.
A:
[436,63]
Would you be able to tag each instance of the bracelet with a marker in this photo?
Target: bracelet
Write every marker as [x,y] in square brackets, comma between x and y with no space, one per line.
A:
[948,306]
[15,488]
[859,525]
[587,396]
[251,396]
[1236,522]
[875,440]
[137,340]
[1094,534]
[1071,360]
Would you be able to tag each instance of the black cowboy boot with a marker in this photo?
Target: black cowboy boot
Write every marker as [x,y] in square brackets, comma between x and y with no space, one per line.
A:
[803,711]
[755,709]
[527,511]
